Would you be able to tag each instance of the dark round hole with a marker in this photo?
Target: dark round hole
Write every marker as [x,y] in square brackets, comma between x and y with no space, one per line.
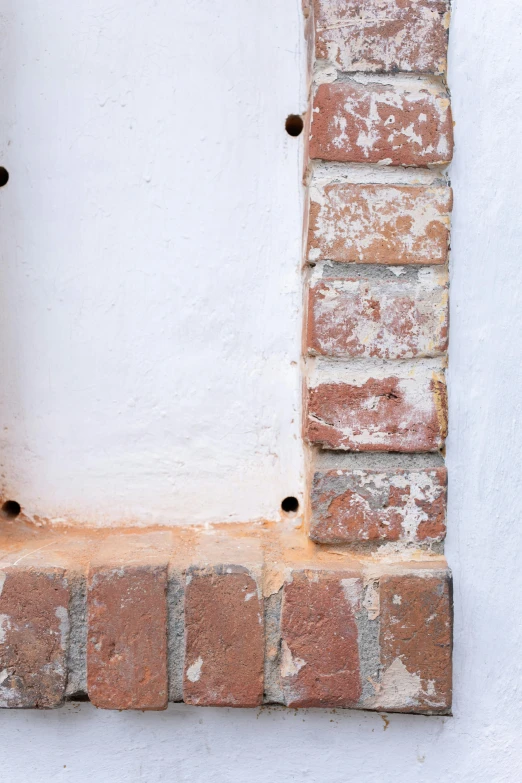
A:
[11,509]
[294,124]
[290,505]
[4,176]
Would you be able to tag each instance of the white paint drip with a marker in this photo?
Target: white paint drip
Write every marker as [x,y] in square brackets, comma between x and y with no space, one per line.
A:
[194,670]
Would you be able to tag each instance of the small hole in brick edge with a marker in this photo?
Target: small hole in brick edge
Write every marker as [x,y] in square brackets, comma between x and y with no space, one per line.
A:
[294,125]
[11,509]
[290,505]
[4,176]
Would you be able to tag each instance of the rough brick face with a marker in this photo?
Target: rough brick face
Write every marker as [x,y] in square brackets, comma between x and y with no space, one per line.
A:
[416,632]
[379,224]
[391,413]
[224,638]
[319,640]
[403,125]
[395,319]
[352,506]
[34,630]
[383,35]
[127,637]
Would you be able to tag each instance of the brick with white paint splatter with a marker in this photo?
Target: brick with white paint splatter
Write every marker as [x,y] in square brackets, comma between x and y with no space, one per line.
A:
[34,636]
[383,35]
[379,224]
[407,123]
[391,319]
[388,407]
[353,506]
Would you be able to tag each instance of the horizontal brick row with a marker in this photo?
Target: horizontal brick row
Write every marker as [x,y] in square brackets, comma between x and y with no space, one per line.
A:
[333,622]
[337,638]
[382,35]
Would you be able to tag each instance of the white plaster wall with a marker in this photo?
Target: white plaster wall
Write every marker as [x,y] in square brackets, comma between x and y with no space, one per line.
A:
[150,249]
[481,743]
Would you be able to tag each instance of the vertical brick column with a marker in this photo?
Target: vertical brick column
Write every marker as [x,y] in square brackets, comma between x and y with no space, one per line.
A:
[376,260]
[376,253]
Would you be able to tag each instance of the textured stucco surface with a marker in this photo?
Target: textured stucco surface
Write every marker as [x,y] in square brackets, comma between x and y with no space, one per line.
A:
[150,285]
[481,743]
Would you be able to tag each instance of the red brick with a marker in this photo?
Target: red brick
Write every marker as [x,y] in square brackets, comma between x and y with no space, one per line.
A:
[416,644]
[224,638]
[34,631]
[319,653]
[383,35]
[350,506]
[377,123]
[388,319]
[379,224]
[393,413]
[127,637]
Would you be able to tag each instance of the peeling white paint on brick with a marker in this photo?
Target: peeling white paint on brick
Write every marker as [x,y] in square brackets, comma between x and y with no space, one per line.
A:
[398,687]
[290,666]
[374,36]
[371,223]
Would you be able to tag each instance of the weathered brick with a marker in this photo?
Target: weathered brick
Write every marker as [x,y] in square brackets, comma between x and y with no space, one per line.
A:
[127,637]
[379,224]
[383,35]
[350,506]
[388,319]
[319,640]
[402,125]
[416,643]
[34,631]
[224,638]
[379,412]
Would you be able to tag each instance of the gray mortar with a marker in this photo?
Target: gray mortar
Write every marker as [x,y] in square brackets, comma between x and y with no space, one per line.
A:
[337,270]
[273,690]
[333,460]
[176,634]
[369,648]
[77,653]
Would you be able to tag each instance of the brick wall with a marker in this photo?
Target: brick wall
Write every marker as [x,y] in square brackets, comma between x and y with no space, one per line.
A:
[376,267]
[355,608]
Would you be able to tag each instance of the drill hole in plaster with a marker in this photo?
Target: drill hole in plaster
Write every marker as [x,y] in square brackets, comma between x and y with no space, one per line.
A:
[4,176]
[294,125]
[11,509]
[290,506]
